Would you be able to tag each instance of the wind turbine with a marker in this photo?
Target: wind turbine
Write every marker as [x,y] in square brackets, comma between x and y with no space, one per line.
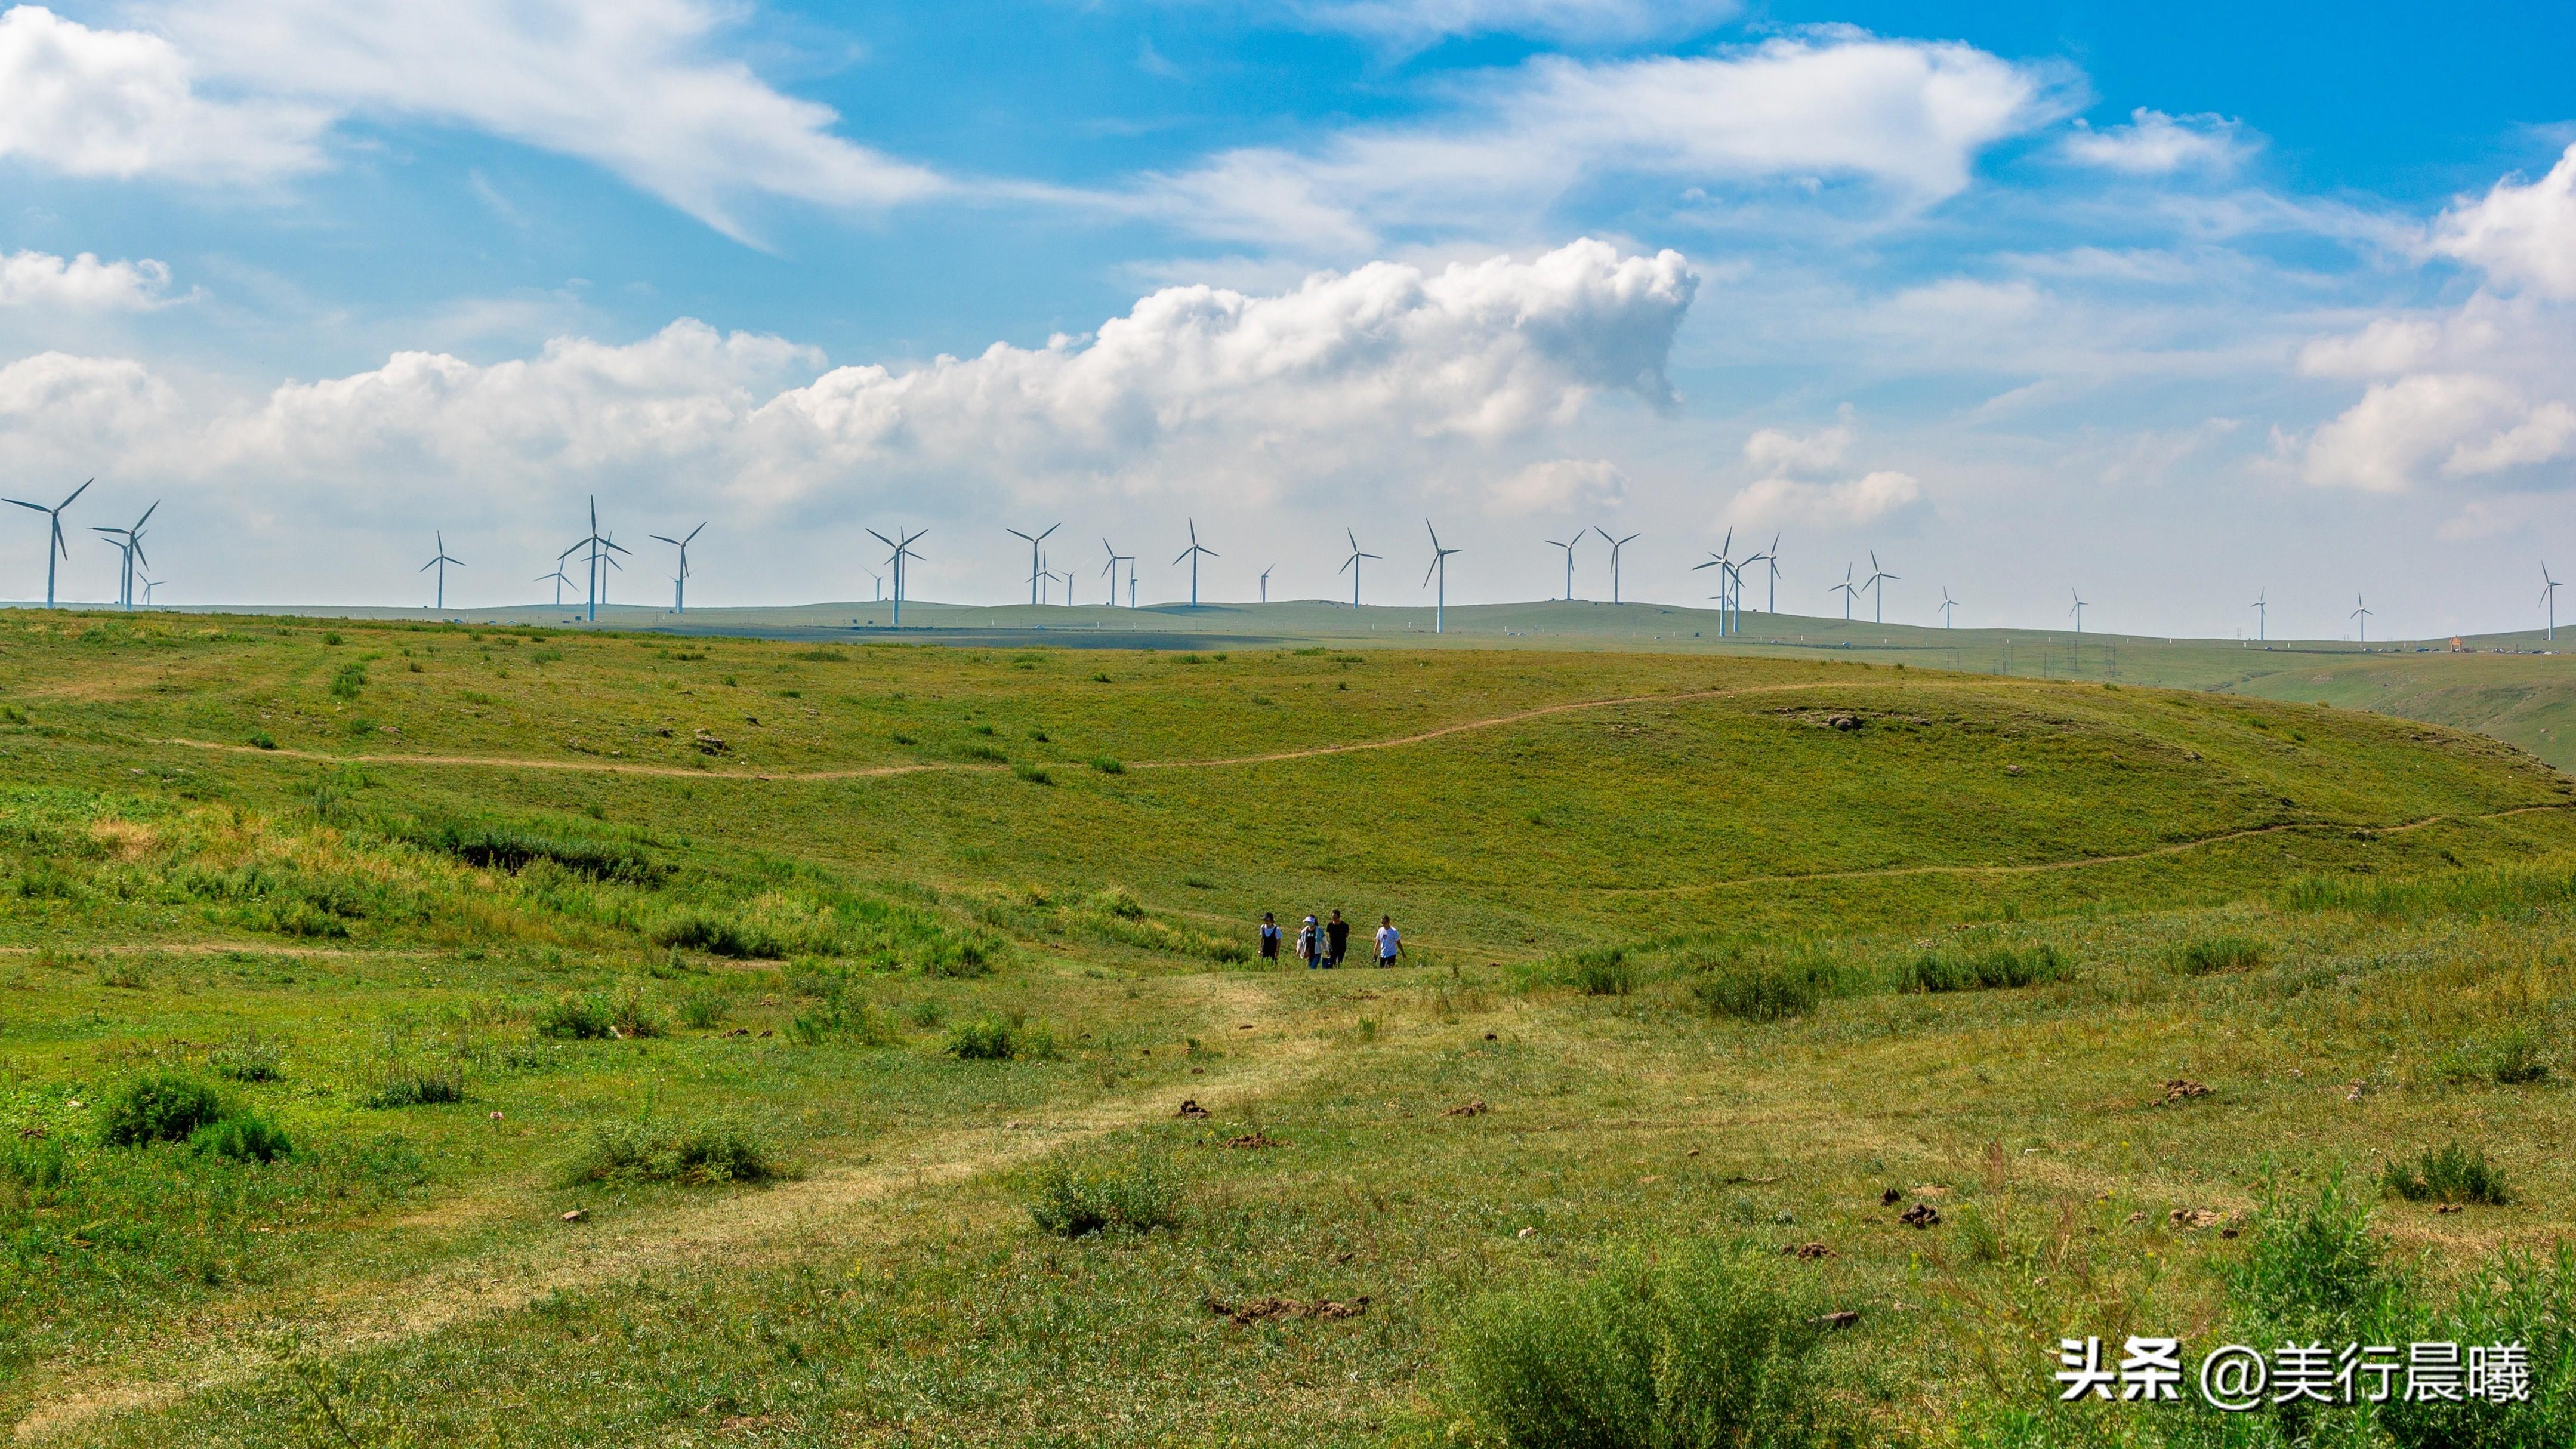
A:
[1351,565]
[55,548]
[560,580]
[2078,610]
[1440,566]
[1036,564]
[1947,604]
[902,551]
[2362,613]
[1265,584]
[600,549]
[2263,613]
[1616,544]
[440,563]
[1879,579]
[2549,596]
[1771,557]
[1845,589]
[680,580]
[1568,546]
[129,550]
[149,584]
[878,580]
[1192,554]
[1067,576]
[1726,579]
[1111,569]
[1739,586]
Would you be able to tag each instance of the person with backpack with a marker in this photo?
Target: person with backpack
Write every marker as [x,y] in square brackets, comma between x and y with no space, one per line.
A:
[1269,939]
[1337,939]
[1389,944]
[1310,945]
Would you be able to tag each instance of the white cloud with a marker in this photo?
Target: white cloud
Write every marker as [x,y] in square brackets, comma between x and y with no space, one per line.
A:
[1343,381]
[2156,144]
[2389,345]
[1901,120]
[634,86]
[39,279]
[1560,485]
[1784,454]
[2543,434]
[2522,236]
[63,409]
[1413,23]
[2474,424]
[124,103]
[1783,502]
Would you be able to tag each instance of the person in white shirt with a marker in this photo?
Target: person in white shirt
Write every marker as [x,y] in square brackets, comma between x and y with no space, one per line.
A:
[1310,945]
[1389,944]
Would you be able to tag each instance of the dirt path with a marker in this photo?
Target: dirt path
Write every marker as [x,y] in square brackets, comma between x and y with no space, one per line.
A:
[830,1204]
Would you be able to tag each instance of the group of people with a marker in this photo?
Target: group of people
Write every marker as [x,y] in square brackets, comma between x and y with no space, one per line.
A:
[1321,944]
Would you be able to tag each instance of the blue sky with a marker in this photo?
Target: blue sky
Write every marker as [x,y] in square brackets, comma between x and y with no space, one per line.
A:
[2168,305]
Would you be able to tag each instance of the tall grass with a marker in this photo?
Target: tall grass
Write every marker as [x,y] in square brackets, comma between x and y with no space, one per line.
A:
[2478,890]
[1074,1198]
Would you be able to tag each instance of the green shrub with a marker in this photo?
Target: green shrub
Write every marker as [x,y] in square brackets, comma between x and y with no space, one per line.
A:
[631,1015]
[2452,1174]
[703,1009]
[1997,968]
[2515,1059]
[1109,766]
[2220,953]
[351,679]
[262,740]
[37,1166]
[405,1081]
[160,1107]
[986,753]
[717,936]
[1033,774]
[991,1038]
[243,1137]
[574,1018]
[1133,1194]
[704,1154]
[1752,988]
[1601,971]
[250,1058]
[500,848]
[1697,1351]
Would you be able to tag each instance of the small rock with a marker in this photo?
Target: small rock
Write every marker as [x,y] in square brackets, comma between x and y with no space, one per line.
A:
[1839,1318]
[1526,1233]
[2012,769]
[2194,1219]
[2137,1217]
[1694,1152]
[576,1215]
[2448,1207]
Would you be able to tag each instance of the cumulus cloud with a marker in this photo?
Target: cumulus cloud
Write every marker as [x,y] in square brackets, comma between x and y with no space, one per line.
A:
[1347,376]
[635,86]
[57,408]
[1903,120]
[2523,236]
[2156,144]
[1783,502]
[2472,424]
[1777,453]
[1410,24]
[1560,485]
[125,103]
[39,279]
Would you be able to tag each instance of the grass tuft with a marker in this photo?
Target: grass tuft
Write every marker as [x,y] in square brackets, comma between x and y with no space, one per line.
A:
[160,1107]
[2453,1174]
[1134,1194]
[700,1154]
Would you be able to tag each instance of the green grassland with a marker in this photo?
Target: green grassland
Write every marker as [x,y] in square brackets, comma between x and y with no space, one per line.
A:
[684,1040]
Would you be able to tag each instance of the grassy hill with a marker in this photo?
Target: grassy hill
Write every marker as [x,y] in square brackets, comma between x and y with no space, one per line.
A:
[711,1040]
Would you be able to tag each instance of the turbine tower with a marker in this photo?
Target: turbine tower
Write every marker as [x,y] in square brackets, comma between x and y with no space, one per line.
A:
[1771,557]
[440,563]
[149,584]
[2549,597]
[2362,613]
[2078,610]
[1265,584]
[1879,579]
[1192,554]
[55,549]
[680,580]
[129,547]
[1616,544]
[2263,613]
[601,549]
[1726,579]
[1568,546]
[1846,589]
[878,581]
[1947,604]
[1440,566]
[1037,564]
[560,580]
[901,550]
[1351,565]
[1115,559]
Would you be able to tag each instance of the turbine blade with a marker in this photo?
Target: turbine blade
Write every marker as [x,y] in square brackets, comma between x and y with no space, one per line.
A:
[66,503]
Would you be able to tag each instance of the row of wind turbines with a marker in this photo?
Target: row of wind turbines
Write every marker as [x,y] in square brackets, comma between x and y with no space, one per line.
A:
[599,553]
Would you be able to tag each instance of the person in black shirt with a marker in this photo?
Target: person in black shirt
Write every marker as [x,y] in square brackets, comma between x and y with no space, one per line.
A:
[1337,939]
[1269,937]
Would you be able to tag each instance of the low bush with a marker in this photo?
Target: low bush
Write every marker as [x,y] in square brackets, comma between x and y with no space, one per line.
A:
[2454,1174]
[405,1081]
[985,753]
[160,1107]
[243,1137]
[1697,1349]
[1109,766]
[718,936]
[1601,971]
[2515,1059]
[250,1058]
[574,1018]
[36,1166]
[495,847]
[1035,775]
[1996,968]
[1074,1198]
[2219,953]
[991,1038]
[703,1009]
[704,1154]
[1753,988]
